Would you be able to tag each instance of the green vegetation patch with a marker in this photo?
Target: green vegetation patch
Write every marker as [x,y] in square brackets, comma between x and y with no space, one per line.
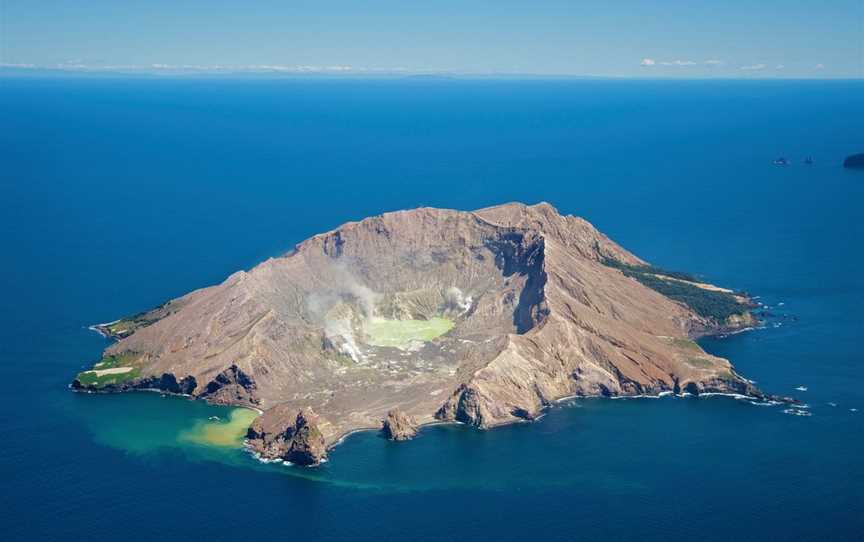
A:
[97,379]
[649,270]
[401,333]
[712,304]
[121,328]
[685,344]
[701,363]
[111,370]
[126,359]
[126,326]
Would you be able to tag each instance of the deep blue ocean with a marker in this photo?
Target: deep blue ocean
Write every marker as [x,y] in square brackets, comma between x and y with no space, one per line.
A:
[118,194]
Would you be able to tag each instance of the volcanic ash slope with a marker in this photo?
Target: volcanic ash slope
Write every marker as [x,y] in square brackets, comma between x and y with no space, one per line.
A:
[537,301]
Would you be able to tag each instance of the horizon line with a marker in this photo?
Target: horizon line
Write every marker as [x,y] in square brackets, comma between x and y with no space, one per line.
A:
[343,71]
[23,72]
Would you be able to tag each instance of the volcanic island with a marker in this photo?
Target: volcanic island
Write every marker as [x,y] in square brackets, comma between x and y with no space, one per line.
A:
[428,316]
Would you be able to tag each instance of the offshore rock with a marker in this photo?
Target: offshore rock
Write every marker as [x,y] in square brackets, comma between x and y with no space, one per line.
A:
[283,433]
[399,426]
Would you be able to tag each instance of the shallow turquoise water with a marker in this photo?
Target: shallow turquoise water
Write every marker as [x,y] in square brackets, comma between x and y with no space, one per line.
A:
[119,194]
[142,423]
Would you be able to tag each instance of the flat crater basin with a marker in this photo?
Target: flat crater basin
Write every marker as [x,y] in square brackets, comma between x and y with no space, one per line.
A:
[404,333]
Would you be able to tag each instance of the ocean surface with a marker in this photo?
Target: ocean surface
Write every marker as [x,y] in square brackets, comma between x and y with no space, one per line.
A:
[118,194]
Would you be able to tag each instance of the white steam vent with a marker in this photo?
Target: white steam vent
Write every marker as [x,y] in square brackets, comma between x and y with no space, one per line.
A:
[456,300]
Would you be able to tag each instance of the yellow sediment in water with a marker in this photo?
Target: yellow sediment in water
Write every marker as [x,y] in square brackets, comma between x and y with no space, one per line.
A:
[227,433]
[401,333]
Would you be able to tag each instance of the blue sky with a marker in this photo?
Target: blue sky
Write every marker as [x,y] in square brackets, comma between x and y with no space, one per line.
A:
[673,38]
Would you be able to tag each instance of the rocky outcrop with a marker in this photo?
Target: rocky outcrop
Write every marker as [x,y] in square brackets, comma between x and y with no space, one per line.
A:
[542,306]
[287,434]
[167,383]
[399,426]
[230,387]
[469,405]
[307,446]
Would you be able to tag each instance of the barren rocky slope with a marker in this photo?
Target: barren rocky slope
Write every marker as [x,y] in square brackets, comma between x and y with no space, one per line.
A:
[541,307]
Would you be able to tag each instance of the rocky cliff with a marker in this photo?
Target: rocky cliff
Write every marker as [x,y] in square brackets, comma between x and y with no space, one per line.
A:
[288,434]
[481,317]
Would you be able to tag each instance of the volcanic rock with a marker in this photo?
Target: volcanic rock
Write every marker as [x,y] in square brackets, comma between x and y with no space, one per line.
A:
[399,426]
[283,433]
[536,305]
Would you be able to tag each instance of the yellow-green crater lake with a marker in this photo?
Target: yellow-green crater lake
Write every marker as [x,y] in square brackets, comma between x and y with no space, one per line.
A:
[402,333]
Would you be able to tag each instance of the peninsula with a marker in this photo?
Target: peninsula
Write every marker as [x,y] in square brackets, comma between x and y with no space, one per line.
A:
[428,315]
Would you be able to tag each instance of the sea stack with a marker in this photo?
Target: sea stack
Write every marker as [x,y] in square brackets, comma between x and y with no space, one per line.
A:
[292,436]
[399,426]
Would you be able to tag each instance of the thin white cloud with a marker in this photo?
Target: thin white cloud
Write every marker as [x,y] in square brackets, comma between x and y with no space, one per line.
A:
[648,62]
[754,67]
[820,66]
[779,67]
[680,63]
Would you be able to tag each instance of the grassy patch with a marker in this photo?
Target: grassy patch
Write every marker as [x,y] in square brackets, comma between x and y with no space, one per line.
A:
[649,270]
[701,363]
[401,333]
[686,344]
[712,304]
[126,359]
[126,326]
[121,328]
[96,378]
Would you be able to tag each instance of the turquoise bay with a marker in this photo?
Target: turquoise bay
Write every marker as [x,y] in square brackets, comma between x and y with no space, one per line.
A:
[117,194]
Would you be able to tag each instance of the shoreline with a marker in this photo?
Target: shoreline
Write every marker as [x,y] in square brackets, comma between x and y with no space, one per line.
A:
[721,332]
[164,393]
[98,328]
[754,400]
